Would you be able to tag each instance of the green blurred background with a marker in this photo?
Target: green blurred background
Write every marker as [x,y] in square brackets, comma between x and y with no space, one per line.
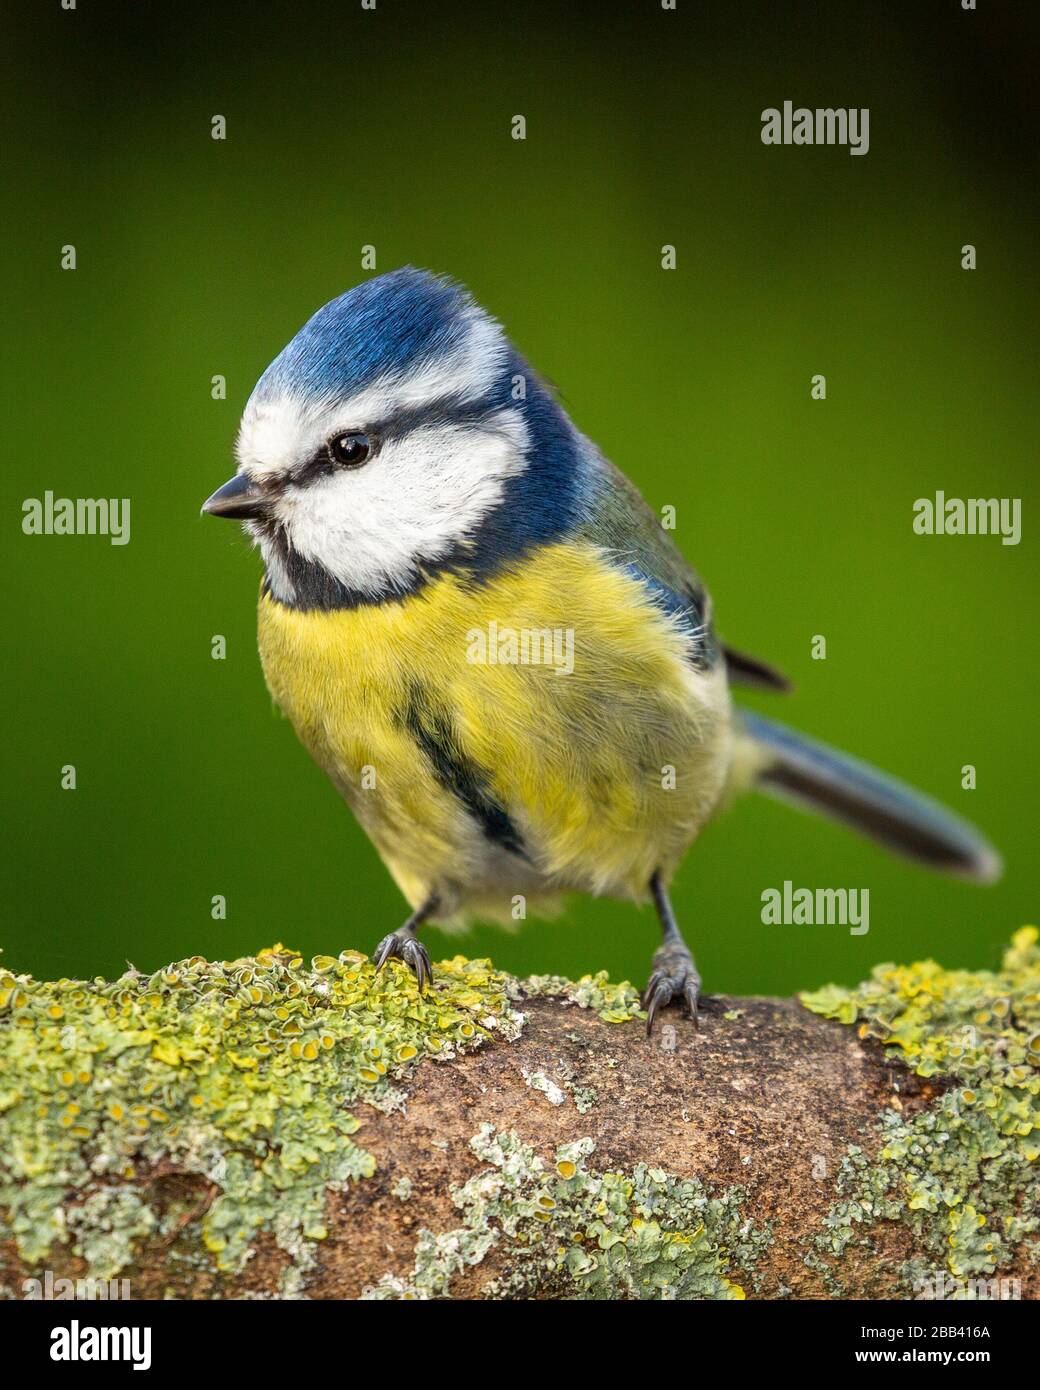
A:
[392,127]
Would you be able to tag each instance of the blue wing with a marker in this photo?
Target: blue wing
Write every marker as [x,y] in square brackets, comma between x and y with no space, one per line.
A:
[619,519]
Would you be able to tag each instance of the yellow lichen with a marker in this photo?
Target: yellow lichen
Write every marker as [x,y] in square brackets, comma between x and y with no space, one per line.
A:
[240,1072]
[966,1163]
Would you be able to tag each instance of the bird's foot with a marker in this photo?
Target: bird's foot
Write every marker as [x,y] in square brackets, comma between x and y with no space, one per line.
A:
[674,978]
[406,947]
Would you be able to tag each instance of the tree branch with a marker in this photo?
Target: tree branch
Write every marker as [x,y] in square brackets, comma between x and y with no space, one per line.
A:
[270,1127]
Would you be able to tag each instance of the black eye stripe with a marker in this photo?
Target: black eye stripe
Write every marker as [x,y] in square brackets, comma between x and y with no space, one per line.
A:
[446,410]
[325,462]
[320,466]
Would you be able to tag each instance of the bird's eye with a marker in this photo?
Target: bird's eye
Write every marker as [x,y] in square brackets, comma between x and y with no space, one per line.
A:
[349,450]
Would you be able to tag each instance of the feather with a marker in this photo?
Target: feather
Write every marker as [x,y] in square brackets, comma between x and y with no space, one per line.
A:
[750,671]
[795,768]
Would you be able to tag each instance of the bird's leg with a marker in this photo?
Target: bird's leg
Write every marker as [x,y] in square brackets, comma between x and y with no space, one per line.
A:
[405,945]
[674,973]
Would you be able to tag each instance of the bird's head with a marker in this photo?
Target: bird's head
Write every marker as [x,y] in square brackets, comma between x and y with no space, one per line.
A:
[396,435]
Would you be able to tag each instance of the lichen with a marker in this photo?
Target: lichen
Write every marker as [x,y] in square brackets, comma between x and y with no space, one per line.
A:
[960,1172]
[106,1227]
[614,1003]
[538,1081]
[572,1232]
[584,1097]
[244,1074]
[562,1084]
[243,1082]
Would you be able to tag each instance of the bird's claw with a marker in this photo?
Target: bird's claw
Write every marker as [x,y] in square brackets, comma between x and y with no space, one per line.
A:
[674,978]
[403,946]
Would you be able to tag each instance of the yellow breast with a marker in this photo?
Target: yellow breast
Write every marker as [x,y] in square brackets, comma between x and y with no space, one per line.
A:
[588,750]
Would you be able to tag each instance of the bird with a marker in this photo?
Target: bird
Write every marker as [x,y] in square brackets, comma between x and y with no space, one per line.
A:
[491,645]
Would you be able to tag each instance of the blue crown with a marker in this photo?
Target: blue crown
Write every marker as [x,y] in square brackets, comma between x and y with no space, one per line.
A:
[388,325]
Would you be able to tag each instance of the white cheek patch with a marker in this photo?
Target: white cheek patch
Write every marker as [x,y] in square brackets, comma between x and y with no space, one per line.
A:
[418,498]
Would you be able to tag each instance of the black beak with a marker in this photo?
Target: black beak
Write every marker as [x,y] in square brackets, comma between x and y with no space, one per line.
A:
[239,500]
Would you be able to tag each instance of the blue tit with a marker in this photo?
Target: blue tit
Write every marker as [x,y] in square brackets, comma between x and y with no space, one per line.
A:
[483,635]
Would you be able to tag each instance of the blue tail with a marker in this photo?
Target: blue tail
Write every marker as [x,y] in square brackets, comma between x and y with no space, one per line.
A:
[795,768]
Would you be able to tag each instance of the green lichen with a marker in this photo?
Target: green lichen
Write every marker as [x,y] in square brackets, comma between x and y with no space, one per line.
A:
[561,1084]
[243,1073]
[569,1231]
[107,1225]
[538,1081]
[614,1003]
[961,1171]
[584,1097]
